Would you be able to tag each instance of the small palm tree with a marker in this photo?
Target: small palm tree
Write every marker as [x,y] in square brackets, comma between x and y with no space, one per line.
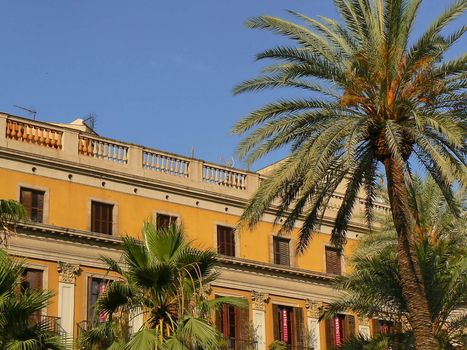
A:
[374,287]
[164,278]
[10,213]
[372,98]
[17,311]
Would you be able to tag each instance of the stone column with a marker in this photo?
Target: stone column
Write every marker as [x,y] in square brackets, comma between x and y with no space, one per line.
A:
[259,301]
[313,311]
[66,295]
[364,327]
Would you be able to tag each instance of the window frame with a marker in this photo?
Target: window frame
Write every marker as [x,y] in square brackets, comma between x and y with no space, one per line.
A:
[340,265]
[232,244]
[236,238]
[45,200]
[114,215]
[172,215]
[276,254]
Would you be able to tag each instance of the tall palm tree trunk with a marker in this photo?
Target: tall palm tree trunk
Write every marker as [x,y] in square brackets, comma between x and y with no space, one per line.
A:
[409,267]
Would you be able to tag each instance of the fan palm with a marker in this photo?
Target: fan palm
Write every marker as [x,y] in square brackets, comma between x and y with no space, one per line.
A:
[10,213]
[164,278]
[374,286]
[18,308]
[374,99]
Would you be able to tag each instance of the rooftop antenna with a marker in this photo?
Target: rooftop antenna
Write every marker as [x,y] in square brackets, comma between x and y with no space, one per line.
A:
[91,120]
[30,110]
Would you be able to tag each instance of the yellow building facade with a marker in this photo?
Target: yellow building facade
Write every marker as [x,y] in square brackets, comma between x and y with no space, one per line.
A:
[83,192]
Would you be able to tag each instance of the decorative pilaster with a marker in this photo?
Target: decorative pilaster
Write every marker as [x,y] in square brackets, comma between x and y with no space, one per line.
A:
[313,312]
[364,326]
[259,301]
[66,295]
[67,272]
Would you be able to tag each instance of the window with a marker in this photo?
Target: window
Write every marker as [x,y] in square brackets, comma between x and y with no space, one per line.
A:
[281,251]
[96,286]
[165,221]
[333,261]
[225,240]
[33,202]
[382,327]
[339,329]
[101,217]
[32,278]
[288,325]
[231,322]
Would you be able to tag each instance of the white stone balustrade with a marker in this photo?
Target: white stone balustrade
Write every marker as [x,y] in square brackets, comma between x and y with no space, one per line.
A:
[224,177]
[102,149]
[166,164]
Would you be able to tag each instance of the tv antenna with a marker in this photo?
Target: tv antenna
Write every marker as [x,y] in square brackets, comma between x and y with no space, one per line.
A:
[30,110]
[91,120]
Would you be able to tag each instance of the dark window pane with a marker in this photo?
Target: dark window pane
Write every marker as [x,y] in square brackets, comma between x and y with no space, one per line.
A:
[281,251]
[96,286]
[33,202]
[101,217]
[164,220]
[225,240]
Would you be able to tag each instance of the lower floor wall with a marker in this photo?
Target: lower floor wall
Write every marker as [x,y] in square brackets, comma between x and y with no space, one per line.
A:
[280,307]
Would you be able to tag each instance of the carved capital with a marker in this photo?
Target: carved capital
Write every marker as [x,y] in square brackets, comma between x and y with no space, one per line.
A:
[314,308]
[68,272]
[259,300]
[363,320]
[205,291]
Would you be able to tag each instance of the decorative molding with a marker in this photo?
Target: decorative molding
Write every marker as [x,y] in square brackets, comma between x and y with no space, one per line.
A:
[314,309]
[68,272]
[259,300]
[363,321]
[205,291]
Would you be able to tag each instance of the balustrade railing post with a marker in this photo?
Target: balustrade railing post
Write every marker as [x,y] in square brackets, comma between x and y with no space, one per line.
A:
[135,159]
[195,171]
[3,123]
[70,145]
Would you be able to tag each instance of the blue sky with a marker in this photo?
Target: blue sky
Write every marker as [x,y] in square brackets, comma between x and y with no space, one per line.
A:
[157,73]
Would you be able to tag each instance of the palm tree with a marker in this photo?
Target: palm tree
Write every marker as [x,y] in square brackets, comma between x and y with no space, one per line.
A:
[165,278]
[374,286]
[372,98]
[17,311]
[10,213]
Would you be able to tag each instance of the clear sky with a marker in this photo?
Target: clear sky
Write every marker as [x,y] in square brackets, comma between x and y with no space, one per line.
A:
[157,73]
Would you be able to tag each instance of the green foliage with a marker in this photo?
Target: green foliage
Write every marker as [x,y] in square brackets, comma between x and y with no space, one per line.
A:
[374,287]
[17,332]
[369,92]
[277,345]
[166,278]
[10,213]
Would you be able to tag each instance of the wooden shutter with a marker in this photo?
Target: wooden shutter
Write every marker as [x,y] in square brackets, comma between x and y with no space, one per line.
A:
[241,326]
[333,261]
[38,206]
[281,251]
[349,326]
[26,200]
[330,333]
[164,221]
[225,240]
[275,321]
[101,217]
[298,327]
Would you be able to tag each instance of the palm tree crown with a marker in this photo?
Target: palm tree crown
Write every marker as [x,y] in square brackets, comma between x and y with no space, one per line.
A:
[377,99]
[373,95]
